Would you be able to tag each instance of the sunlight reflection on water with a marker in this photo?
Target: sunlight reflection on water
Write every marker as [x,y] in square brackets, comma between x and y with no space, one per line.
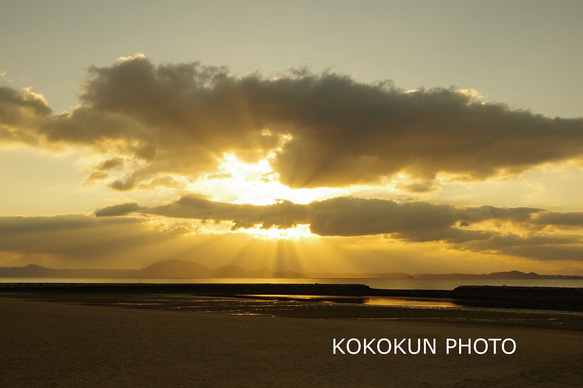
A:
[411,302]
[370,300]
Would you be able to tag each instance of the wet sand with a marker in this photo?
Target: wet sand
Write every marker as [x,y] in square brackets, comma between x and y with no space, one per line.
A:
[57,344]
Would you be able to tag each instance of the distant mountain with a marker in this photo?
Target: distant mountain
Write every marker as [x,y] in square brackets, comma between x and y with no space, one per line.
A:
[190,269]
[175,269]
[171,269]
[178,269]
[29,271]
[37,271]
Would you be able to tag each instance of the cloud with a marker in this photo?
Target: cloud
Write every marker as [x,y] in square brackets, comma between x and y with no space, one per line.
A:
[282,215]
[96,176]
[345,133]
[417,187]
[341,216]
[15,105]
[566,220]
[118,210]
[485,229]
[110,164]
[129,241]
[482,213]
[21,114]
[347,216]
[319,129]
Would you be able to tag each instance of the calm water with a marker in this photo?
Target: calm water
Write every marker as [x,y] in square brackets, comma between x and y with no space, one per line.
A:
[407,284]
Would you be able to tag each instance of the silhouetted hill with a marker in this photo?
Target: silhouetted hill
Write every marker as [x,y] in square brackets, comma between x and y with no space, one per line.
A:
[515,275]
[188,269]
[31,270]
[175,269]
[37,271]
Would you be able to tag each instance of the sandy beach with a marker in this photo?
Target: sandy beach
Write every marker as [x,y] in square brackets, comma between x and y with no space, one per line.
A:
[55,344]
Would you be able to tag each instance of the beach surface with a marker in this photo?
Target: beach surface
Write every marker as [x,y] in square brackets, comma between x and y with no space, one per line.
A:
[60,344]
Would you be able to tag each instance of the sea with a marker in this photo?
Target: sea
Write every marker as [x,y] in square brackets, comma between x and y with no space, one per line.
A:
[399,284]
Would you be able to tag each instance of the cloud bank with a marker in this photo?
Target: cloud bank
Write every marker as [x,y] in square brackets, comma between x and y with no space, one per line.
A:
[167,124]
[117,239]
[516,231]
[344,216]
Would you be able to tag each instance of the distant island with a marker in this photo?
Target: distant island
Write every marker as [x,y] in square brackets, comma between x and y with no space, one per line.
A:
[183,269]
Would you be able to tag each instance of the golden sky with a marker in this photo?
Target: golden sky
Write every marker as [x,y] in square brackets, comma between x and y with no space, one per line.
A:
[334,162]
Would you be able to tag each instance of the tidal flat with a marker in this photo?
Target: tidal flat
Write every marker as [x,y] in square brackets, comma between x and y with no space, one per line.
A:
[321,307]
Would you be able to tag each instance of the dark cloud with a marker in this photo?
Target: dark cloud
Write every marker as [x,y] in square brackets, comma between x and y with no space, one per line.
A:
[347,216]
[110,164]
[281,215]
[124,185]
[118,210]
[417,187]
[322,129]
[101,170]
[410,221]
[345,133]
[97,175]
[483,213]
[344,216]
[571,219]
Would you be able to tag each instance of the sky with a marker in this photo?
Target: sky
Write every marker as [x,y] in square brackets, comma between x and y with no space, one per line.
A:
[327,136]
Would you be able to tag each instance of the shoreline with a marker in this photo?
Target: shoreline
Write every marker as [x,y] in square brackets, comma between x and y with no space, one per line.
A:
[545,298]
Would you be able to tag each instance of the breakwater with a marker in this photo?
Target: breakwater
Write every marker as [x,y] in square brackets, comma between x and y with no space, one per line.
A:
[550,298]
[217,289]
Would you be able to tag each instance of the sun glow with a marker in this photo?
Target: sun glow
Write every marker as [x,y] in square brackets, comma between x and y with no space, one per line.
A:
[254,183]
[296,233]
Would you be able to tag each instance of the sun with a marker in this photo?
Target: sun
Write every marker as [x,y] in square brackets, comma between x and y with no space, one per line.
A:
[254,183]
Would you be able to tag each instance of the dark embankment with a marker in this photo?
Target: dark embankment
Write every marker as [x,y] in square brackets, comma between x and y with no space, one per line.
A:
[548,298]
[551,298]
